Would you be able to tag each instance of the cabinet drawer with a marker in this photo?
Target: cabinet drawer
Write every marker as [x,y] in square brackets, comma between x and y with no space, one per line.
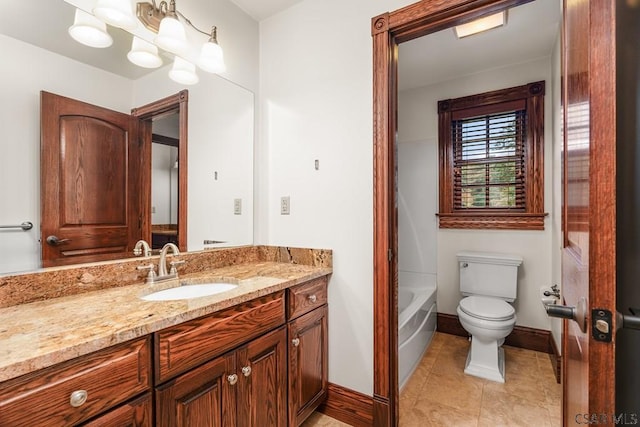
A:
[107,377]
[192,343]
[306,297]
[137,413]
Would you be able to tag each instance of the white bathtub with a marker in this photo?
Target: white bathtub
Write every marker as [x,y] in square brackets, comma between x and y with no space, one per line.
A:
[416,320]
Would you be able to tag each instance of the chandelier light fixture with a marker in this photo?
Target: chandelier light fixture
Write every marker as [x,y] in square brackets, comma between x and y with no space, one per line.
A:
[153,26]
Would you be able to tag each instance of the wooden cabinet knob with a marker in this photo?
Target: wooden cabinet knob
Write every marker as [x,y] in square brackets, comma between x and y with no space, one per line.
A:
[78,398]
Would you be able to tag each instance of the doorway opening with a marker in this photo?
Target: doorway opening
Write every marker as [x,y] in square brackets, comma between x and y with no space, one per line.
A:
[171,110]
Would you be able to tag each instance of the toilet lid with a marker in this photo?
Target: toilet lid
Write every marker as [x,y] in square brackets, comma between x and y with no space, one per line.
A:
[487,308]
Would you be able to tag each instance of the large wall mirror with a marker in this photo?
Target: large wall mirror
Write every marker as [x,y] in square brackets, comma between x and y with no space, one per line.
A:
[39,55]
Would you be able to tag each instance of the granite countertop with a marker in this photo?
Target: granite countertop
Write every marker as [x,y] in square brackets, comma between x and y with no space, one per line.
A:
[40,334]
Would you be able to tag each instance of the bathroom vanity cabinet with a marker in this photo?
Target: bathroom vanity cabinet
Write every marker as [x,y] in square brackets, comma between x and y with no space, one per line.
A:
[308,350]
[259,363]
[243,381]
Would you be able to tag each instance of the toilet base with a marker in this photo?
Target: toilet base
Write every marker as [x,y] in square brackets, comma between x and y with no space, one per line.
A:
[493,370]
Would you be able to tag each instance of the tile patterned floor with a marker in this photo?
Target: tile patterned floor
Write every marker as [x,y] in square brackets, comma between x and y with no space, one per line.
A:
[440,394]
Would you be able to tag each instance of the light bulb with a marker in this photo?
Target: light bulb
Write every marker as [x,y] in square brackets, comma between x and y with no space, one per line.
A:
[89,30]
[171,36]
[118,13]
[144,54]
[183,72]
[211,58]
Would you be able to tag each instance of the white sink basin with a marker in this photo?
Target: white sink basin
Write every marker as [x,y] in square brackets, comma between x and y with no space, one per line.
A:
[189,291]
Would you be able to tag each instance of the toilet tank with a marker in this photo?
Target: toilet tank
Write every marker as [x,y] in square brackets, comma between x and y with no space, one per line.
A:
[489,274]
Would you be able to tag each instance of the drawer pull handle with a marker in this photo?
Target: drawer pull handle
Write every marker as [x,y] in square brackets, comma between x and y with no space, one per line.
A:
[246,371]
[78,398]
[313,298]
[295,342]
[233,378]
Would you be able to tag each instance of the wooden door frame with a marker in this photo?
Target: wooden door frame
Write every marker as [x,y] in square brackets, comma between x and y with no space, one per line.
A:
[388,30]
[419,19]
[169,105]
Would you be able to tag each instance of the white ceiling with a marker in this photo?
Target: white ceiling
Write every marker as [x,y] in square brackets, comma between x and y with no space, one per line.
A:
[263,9]
[530,33]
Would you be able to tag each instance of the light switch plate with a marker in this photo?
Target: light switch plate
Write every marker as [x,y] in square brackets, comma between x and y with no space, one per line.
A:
[285,205]
[237,206]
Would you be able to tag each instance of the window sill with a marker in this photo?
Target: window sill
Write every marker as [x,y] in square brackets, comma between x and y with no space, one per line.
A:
[492,221]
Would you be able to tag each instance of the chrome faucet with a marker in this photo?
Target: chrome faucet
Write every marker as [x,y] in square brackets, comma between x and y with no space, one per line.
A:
[142,248]
[162,275]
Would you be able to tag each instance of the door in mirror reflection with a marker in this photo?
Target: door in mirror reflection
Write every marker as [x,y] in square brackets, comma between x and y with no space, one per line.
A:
[89,164]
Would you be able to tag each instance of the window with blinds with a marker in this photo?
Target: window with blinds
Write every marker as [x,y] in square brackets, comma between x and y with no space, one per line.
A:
[489,161]
[491,151]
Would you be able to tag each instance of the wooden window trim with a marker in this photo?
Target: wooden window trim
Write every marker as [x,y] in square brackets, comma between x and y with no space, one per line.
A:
[532,218]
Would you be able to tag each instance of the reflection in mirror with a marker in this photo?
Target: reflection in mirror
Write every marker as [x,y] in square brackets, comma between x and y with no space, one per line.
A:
[164,181]
[40,55]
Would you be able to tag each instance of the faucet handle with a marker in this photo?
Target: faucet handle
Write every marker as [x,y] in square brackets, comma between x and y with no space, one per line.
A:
[152,271]
[173,264]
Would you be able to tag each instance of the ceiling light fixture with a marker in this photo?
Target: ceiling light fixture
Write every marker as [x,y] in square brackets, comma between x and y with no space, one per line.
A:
[480,25]
[162,26]
[89,30]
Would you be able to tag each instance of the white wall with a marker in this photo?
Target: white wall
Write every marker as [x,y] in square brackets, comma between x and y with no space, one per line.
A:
[418,121]
[316,103]
[22,76]
[417,205]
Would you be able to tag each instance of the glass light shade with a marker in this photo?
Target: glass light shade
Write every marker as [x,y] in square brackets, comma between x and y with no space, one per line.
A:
[118,13]
[144,54]
[89,30]
[183,72]
[171,36]
[480,25]
[211,58]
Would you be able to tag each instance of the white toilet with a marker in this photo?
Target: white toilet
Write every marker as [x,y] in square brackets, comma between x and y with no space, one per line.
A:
[488,281]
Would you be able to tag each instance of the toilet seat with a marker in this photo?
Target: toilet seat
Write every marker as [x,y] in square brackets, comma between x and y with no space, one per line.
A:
[487,308]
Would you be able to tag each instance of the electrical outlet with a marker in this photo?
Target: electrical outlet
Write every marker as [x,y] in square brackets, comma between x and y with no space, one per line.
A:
[237,206]
[285,206]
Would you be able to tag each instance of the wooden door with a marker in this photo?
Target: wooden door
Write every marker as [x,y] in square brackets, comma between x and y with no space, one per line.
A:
[308,354]
[90,185]
[588,258]
[262,383]
[203,397]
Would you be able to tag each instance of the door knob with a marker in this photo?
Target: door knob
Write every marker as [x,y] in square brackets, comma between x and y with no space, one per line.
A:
[577,313]
[54,241]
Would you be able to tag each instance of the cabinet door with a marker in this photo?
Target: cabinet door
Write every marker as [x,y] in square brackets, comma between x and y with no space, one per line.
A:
[308,367]
[203,397]
[262,387]
[137,413]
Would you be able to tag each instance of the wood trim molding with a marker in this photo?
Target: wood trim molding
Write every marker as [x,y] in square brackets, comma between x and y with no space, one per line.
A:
[348,406]
[556,359]
[405,24]
[521,337]
[491,222]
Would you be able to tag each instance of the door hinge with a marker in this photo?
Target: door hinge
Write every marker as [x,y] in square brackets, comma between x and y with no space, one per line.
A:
[390,254]
[140,222]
